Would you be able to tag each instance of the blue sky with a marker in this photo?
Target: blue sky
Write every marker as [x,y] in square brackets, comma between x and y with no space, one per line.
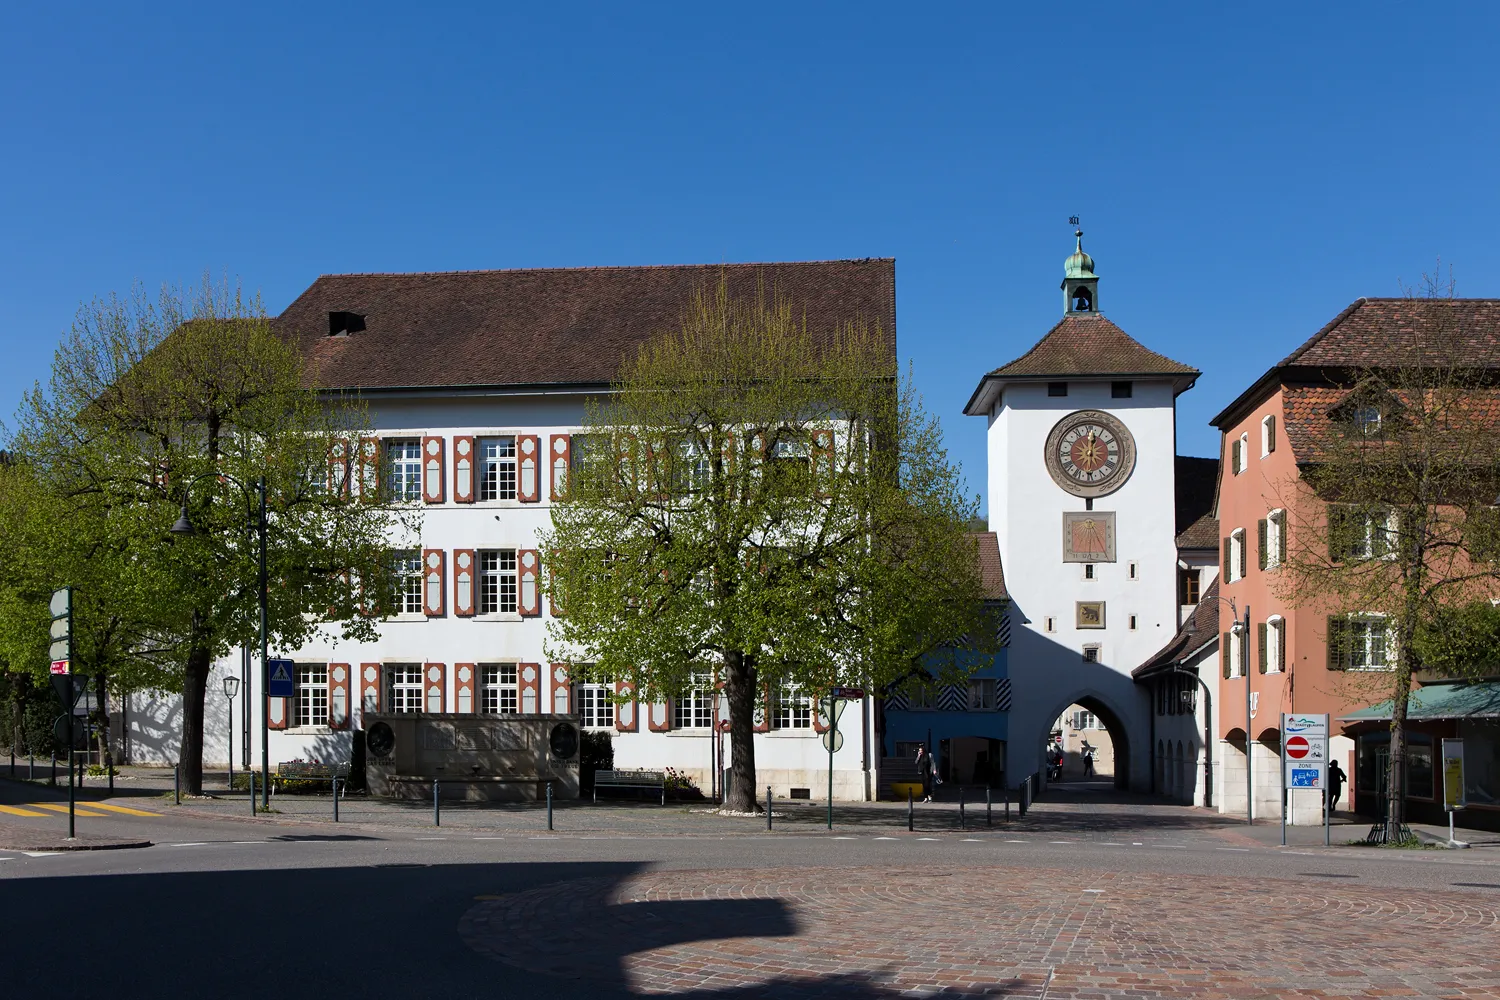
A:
[1241,174]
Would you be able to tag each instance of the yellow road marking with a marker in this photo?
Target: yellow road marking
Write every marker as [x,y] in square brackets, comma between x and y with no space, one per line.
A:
[58,807]
[121,809]
[18,811]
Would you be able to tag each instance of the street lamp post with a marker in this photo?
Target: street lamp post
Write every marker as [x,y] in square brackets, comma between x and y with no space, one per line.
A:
[231,688]
[184,526]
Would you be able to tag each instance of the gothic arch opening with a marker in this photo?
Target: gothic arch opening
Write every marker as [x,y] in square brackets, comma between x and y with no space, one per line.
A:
[1112,762]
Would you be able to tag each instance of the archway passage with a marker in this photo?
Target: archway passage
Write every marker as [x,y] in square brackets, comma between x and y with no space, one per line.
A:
[1089,726]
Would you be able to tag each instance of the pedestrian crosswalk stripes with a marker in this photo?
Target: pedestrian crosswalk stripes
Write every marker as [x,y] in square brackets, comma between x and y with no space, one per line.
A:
[45,810]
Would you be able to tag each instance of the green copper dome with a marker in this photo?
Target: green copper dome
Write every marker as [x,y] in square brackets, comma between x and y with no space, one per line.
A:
[1078,264]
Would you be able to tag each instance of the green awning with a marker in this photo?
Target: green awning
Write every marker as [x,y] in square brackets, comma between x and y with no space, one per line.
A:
[1446,700]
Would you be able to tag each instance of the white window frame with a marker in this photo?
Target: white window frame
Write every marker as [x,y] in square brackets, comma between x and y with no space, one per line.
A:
[1275,643]
[1275,537]
[312,695]
[498,471]
[1368,527]
[981,694]
[1244,452]
[1366,623]
[594,702]
[1236,655]
[403,472]
[408,568]
[1265,435]
[1236,554]
[403,688]
[694,709]
[499,689]
[791,709]
[499,582]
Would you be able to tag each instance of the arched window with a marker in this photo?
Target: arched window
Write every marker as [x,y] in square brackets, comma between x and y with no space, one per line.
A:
[1082,300]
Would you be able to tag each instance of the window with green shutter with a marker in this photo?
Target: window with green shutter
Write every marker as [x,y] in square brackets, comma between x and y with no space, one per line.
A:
[1260,637]
[1260,544]
[1224,653]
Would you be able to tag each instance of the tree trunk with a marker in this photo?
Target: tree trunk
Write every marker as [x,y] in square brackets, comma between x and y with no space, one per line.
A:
[741,689]
[194,694]
[1395,793]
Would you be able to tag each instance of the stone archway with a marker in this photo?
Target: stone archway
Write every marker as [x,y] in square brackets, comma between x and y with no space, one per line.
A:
[1112,724]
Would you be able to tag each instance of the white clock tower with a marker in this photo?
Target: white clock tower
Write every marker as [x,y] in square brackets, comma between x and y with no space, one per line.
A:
[1082,447]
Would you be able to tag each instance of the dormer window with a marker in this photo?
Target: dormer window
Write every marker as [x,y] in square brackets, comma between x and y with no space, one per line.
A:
[1366,420]
[341,324]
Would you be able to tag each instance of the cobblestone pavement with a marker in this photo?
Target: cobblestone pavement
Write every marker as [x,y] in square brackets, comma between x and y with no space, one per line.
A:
[1055,933]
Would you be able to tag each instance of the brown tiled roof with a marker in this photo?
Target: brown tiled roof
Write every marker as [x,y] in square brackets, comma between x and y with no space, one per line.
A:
[1200,629]
[557,326]
[1197,480]
[1375,332]
[991,573]
[1090,345]
[1310,410]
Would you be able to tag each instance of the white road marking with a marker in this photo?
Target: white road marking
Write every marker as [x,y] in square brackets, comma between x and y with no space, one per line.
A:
[929,838]
[971,840]
[248,841]
[40,854]
[1136,843]
[430,838]
[887,838]
[502,838]
[1093,890]
[195,843]
[1062,841]
[845,838]
[1246,849]
[1015,841]
[1110,843]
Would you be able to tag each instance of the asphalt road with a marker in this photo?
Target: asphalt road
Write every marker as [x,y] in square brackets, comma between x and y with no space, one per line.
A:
[235,908]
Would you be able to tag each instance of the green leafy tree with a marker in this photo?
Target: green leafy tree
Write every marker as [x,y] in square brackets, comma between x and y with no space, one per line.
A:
[1395,531]
[156,403]
[764,507]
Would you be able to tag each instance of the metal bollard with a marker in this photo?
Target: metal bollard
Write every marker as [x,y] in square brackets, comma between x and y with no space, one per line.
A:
[1007,803]
[549,806]
[52,779]
[768,807]
[30,765]
[989,815]
[177,783]
[335,800]
[437,812]
[910,812]
[252,793]
[963,820]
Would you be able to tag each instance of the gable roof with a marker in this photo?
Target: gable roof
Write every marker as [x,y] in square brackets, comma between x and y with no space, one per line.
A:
[550,326]
[1197,481]
[1374,332]
[1082,346]
[991,573]
[1201,629]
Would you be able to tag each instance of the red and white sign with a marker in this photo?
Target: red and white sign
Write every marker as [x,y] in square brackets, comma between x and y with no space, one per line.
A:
[1297,747]
[60,667]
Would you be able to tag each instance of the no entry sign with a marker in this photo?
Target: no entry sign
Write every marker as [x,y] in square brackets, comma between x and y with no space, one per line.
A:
[1297,747]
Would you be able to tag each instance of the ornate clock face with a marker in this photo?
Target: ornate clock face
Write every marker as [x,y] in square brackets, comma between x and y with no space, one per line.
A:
[1090,453]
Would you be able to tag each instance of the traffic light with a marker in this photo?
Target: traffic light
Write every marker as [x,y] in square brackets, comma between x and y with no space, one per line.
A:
[62,630]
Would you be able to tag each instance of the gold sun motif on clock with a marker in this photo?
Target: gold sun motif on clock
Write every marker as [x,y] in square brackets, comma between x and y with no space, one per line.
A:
[1090,453]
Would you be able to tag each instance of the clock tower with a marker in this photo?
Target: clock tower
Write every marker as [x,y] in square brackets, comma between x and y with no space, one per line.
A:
[1081,477]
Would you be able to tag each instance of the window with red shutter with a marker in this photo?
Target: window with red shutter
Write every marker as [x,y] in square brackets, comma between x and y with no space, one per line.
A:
[560,455]
[529,567]
[338,695]
[625,709]
[463,470]
[529,681]
[432,470]
[463,582]
[528,487]
[432,582]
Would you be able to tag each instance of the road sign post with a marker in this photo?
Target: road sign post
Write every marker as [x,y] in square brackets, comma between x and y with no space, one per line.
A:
[1454,792]
[61,651]
[1304,761]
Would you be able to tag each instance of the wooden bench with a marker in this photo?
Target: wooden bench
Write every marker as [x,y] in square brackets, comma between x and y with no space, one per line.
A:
[651,780]
[303,771]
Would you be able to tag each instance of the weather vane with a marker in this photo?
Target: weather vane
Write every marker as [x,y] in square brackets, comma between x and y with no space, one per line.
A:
[1072,220]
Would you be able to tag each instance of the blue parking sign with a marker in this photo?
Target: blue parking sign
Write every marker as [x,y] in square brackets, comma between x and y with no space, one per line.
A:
[281,679]
[1305,777]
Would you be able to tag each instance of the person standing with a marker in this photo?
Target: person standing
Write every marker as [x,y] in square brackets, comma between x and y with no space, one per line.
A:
[924,772]
[1336,779]
[1088,759]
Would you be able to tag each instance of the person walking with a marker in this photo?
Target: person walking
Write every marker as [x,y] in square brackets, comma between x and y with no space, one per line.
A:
[1088,759]
[924,772]
[1336,779]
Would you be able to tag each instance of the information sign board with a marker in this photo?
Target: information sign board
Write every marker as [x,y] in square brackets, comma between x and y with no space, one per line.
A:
[1304,750]
[1453,775]
[281,679]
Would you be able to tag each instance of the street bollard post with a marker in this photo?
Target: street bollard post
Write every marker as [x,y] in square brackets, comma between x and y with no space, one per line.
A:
[910,811]
[963,820]
[335,800]
[1006,793]
[252,793]
[177,784]
[549,807]
[989,816]
[768,807]
[437,815]
[52,779]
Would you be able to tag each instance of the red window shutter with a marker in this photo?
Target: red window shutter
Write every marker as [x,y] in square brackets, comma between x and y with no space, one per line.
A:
[463,688]
[529,569]
[560,450]
[625,720]
[434,686]
[463,582]
[369,468]
[277,711]
[432,470]
[817,720]
[660,718]
[763,711]
[432,582]
[338,695]
[528,470]
[529,683]
[463,470]
[562,694]
[369,690]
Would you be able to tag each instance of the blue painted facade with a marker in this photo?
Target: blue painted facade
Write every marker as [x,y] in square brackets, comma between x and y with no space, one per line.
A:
[968,744]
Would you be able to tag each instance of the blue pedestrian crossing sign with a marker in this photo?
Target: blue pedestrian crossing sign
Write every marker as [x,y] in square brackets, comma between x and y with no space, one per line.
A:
[281,679]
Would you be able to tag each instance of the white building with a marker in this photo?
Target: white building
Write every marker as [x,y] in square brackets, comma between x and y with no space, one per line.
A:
[475,383]
[1083,499]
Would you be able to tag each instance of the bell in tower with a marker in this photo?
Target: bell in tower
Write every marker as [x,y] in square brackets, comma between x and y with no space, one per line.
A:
[1080,285]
